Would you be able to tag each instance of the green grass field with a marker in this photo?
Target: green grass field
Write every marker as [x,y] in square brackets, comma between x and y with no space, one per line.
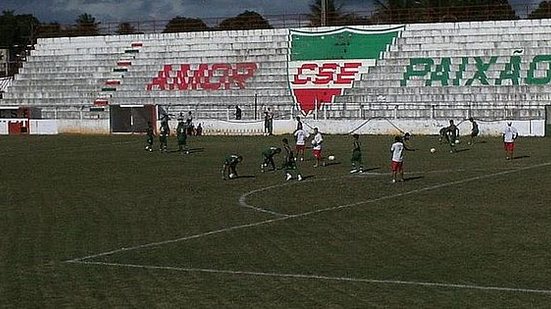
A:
[99,222]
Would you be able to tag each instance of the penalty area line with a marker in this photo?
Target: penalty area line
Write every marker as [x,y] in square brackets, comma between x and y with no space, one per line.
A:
[326,278]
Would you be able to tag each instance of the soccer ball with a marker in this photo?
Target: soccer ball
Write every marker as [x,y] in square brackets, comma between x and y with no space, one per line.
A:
[433,150]
[331,158]
[232,176]
[457,141]
[314,143]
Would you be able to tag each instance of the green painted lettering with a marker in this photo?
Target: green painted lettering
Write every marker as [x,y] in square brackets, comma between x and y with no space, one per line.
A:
[531,79]
[511,71]
[441,73]
[481,67]
[459,73]
[411,70]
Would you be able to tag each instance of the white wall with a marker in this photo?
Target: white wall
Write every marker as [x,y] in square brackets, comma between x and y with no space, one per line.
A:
[372,126]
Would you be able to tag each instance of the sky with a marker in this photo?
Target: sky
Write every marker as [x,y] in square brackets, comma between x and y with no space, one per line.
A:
[67,11]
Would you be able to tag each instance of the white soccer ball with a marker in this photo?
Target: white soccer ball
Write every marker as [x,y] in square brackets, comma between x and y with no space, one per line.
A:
[331,158]
[457,141]
[433,150]
[232,176]
[314,142]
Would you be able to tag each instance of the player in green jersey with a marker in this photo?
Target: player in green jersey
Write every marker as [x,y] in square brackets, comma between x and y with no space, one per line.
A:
[268,158]
[357,165]
[230,165]
[290,165]
[164,132]
[150,134]
[181,134]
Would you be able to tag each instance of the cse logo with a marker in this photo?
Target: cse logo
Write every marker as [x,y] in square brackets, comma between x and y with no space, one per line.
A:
[327,73]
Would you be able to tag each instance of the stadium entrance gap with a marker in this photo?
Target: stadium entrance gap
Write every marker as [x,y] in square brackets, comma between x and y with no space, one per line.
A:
[131,118]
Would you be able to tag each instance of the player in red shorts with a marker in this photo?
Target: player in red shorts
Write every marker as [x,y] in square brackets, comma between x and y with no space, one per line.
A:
[316,148]
[510,134]
[397,159]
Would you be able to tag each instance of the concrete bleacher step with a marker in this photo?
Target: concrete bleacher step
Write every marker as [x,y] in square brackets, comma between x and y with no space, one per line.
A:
[113,70]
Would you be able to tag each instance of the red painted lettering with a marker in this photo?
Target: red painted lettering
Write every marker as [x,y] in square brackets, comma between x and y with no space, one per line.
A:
[348,72]
[326,73]
[306,66]
[206,77]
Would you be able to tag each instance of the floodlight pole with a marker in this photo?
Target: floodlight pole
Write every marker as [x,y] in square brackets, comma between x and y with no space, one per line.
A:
[323,20]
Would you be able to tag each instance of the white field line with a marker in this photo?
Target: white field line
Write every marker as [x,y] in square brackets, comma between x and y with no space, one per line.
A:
[243,200]
[328,278]
[460,170]
[244,226]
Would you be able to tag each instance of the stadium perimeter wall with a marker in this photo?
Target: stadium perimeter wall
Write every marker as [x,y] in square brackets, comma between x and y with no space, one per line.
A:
[378,79]
[281,127]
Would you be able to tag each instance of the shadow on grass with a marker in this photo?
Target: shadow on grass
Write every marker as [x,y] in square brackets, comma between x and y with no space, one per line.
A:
[413,178]
[521,157]
[462,149]
[366,170]
[189,150]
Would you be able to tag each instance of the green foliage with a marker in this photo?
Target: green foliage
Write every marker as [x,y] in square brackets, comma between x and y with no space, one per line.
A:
[542,11]
[410,11]
[244,21]
[16,30]
[86,25]
[469,218]
[335,15]
[185,24]
[126,28]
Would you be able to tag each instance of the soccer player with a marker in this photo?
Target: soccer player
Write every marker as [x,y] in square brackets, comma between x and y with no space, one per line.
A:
[290,165]
[316,148]
[164,132]
[452,133]
[397,159]
[238,113]
[230,166]
[442,136]
[356,160]
[150,134]
[268,158]
[299,124]
[189,123]
[181,134]
[474,130]
[300,136]
[510,134]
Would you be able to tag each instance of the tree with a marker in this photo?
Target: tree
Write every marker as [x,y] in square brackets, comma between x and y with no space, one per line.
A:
[335,16]
[407,11]
[126,28]
[185,24]
[49,30]
[86,25]
[16,29]
[244,21]
[542,11]
[17,32]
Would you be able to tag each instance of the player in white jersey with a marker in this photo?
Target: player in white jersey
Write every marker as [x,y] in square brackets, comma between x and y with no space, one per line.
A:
[397,159]
[317,142]
[510,134]
[300,136]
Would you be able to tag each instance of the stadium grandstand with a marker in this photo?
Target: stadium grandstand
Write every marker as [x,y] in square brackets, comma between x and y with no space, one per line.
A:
[359,78]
